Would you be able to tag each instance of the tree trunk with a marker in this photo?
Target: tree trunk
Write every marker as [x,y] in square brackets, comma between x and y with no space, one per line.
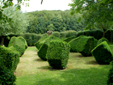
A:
[2,41]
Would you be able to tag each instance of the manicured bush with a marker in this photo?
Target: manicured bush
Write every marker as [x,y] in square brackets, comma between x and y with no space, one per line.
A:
[56,34]
[69,33]
[110,75]
[58,54]
[68,39]
[43,49]
[18,43]
[102,53]
[80,33]
[10,57]
[7,77]
[98,34]
[41,40]
[83,44]
[31,38]
[101,40]
[109,35]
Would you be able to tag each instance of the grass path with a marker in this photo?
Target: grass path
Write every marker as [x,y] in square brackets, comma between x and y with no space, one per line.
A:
[29,63]
[80,71]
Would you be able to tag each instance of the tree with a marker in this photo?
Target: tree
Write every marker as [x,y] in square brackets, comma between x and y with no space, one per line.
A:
[94,12]
[17,25]
[50,27]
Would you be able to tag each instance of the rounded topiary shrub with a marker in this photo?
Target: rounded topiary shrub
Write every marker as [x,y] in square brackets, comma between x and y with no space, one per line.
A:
[83,44]
[109,35]
[39,43]
[102,53]
[18,43]
[58,54]
[56,34]
[101,40]
[43,49]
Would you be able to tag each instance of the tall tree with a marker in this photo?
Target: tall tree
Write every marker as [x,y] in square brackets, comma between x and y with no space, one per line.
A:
[94,12]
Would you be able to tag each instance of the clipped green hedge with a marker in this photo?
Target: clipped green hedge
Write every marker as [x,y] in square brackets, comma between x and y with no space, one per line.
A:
[31,38]
[39,43]
[69,39]
[110,75]
[102,53]
[43,49]
[7,77]
[58,54]
[56,34]
[18,43]
[83,44]
[10,57]
[101,40]
[69,33]
[97,34]
[109,35]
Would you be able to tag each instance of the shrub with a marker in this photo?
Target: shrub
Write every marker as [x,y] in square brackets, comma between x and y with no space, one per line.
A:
[58,54]
[18,43]
[43,49]
[63,35]
[110,75]
[80,33]
[109,35]
[68,39]
[98,34]
[41,40]
[83,44]
[7,77]
[101,40]
[56,34]
[10,57]
[102,53]
[31,38]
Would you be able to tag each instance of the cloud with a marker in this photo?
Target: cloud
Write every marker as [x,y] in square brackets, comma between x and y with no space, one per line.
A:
[47,5]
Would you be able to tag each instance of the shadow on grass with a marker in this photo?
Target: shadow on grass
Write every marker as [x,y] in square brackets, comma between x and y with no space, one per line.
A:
[40,60]
[92,62]
[91,76]
[50,68]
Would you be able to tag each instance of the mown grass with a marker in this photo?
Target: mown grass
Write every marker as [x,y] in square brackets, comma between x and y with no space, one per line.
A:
[80,71]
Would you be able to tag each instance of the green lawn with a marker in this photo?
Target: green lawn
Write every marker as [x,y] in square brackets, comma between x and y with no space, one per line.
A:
[80,71]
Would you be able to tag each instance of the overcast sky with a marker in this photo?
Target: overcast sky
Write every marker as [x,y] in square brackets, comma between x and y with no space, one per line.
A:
[47,5]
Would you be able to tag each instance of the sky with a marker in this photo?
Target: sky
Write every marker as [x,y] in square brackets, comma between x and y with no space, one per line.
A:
[35,5]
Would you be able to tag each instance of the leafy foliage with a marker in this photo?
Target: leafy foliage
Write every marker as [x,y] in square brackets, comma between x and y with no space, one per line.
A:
[58,54]
[102,53]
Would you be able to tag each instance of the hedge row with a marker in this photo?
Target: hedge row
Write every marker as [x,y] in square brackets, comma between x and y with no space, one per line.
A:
[9,59]
[31,38]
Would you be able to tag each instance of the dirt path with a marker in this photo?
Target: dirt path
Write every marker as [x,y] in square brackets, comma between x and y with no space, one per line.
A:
[30,63]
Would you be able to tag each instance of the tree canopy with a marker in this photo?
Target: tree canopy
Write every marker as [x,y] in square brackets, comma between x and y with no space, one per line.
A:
[95,12]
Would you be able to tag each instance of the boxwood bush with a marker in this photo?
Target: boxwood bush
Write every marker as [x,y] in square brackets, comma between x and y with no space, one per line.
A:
[31,38]
[110,75]
[7,77]
[41,40]
[101,40]
[10,57]
[58,54]
[56,34]
[43,49]
[18,43]
[102,53]
[83,44]
[69,39]
[109,35]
